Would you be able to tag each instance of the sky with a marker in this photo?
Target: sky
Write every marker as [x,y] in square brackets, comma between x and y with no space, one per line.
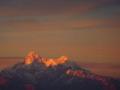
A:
[84,30]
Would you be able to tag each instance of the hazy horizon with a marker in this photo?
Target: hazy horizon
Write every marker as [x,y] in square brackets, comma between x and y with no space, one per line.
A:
[104,69]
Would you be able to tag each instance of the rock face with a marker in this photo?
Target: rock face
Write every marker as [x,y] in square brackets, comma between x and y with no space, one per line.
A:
[32,56]
[55,62]
[37,73]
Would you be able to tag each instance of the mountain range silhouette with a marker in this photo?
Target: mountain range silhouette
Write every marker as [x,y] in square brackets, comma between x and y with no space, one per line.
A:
[57,75]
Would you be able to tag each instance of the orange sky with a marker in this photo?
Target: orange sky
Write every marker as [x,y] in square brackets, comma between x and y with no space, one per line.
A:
[86,31]
[89,45]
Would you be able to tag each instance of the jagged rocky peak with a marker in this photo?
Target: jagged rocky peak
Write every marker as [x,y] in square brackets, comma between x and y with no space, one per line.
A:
[33,56]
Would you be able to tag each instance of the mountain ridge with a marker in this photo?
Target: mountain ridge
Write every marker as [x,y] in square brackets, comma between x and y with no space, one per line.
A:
[36,75]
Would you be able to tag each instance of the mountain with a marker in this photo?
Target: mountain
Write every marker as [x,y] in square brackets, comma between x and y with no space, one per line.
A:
[37,73]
